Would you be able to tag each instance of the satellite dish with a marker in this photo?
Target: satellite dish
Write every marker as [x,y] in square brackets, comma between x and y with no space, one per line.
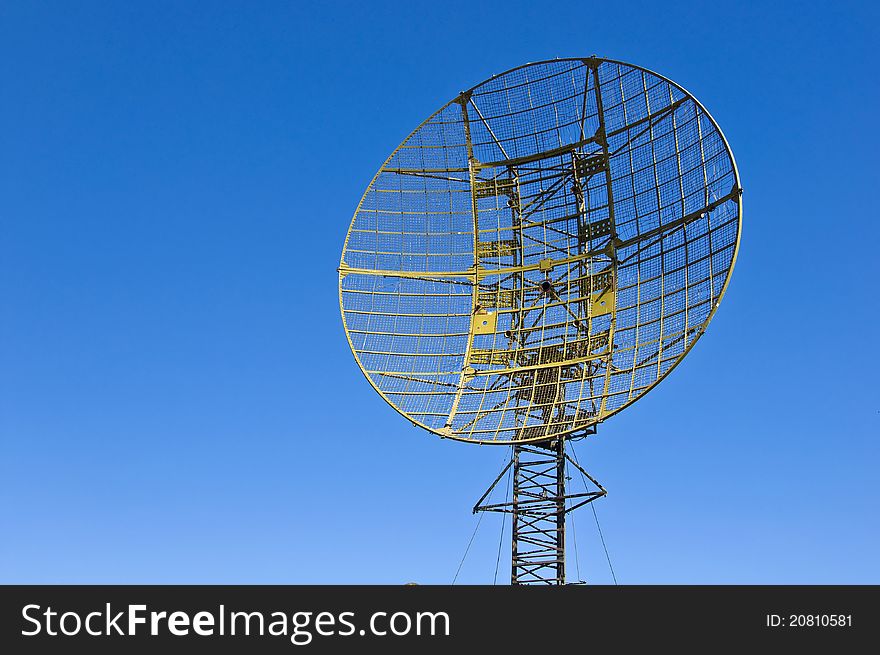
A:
[540,252]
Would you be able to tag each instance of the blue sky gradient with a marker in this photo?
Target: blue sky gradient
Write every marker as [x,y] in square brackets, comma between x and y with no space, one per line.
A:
[177,399]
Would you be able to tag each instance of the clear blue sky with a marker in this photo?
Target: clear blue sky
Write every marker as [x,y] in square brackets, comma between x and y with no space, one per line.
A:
[178,402]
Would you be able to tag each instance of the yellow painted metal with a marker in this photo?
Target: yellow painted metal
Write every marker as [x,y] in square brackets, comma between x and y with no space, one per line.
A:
[497,298]
[484,322]
[489,357]
[500,286]
[495,187]
[495,249]
[602,303]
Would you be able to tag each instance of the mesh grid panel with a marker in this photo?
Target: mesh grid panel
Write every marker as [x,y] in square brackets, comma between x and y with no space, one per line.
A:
[541,251]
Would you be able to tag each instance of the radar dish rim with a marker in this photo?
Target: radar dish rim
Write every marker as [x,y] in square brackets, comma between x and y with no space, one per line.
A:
[568,433]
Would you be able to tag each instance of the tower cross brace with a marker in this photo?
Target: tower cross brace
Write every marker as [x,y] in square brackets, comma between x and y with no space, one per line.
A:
[539,507]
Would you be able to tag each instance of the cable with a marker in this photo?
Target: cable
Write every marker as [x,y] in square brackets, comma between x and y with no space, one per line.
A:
[596,516]
[500,541]
[503,521]
[463,557]
[577,562]
[480,520]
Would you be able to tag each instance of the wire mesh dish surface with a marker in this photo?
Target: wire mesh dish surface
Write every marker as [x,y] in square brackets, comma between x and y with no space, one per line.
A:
[541,251]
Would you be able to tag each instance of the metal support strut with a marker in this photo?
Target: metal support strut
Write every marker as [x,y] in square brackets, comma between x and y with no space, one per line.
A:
[539,507]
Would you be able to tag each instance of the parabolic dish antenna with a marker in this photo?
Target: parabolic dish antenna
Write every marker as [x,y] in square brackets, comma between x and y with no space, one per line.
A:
[541,251]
